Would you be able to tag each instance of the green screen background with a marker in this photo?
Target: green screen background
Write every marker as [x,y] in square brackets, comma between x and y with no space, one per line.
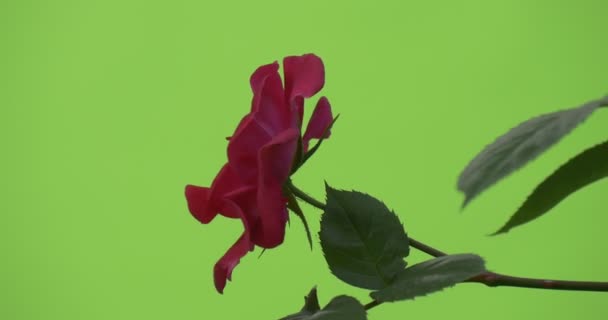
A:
[109,108]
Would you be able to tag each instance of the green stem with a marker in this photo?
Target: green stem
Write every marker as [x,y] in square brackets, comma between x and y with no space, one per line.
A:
[305,197]
[490,279]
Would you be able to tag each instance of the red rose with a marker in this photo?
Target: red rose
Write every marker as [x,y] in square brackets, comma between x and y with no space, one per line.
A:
[260,157]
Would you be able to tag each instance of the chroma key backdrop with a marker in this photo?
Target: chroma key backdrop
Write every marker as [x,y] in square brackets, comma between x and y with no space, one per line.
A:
[110,109]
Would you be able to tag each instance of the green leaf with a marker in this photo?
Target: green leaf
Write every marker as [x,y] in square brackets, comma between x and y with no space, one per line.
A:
[311,306]
[294,206]
[311,301]
[431,276]
[586,168]
[520,145]
[339,308]
[363,241]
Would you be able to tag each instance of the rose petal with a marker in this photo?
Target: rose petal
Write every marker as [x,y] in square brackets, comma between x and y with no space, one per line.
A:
[277,155]
[198,203]
[225,182]
[319,121]
[304,77]
[223,268]
[239,203]
[259,76]
[270,231]
[244,147]
[269,104]
[245,199]
[205,203]
[275,161]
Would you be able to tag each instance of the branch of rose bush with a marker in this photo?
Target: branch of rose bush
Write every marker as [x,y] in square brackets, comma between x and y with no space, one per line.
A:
[490,279]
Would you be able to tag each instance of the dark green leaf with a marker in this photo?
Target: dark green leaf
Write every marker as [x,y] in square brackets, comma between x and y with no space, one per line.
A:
[294,206]
[311,306]
[519,146]
[589,166]
[430,276]
[363,241]
[339,308]
[311,301]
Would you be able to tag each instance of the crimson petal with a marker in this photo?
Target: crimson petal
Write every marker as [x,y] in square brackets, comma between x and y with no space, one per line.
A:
[275,161]
[225,182]
[239,203]
[269,105]
[304,77]
[222,271]
[320,120]
[198,203]
[205,203]
[259,76]
[244,146]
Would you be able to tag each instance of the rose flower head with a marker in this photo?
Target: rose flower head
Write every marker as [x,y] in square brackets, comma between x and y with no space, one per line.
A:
[262,153]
